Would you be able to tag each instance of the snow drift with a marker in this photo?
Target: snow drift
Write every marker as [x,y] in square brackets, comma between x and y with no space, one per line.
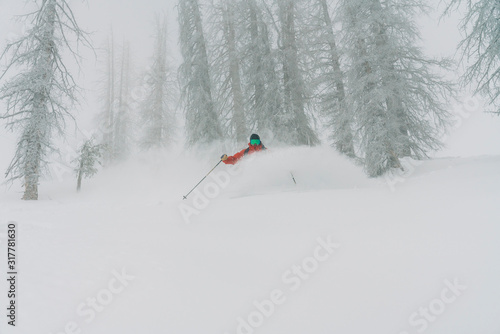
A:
[120,258]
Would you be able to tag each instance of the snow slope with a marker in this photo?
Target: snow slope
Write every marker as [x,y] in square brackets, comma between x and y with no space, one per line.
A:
[336,253]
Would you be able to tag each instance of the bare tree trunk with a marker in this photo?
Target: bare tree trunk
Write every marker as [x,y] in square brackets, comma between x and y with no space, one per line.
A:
[79,180]
[32,176]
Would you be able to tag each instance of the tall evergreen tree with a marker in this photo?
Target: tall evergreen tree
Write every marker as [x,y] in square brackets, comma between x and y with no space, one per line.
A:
[202,120]
[393,92]
[107,116]
[40,94]
[295,120]
[330,79]
[226,66]
[260,69]
[158,120]
[122,127]
[115,119]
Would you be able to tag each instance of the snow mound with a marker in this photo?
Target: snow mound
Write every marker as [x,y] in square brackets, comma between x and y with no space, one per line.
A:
[293,169]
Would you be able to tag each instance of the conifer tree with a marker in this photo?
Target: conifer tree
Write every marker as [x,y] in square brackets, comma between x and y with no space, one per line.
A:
[157,115]
[394,93]
[41,92]
[295,121]
[202,119]
[89,155]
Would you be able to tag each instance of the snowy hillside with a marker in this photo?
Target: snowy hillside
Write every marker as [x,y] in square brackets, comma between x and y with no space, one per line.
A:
[255,253]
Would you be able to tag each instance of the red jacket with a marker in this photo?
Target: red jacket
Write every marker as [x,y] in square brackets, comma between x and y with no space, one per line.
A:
[251,149]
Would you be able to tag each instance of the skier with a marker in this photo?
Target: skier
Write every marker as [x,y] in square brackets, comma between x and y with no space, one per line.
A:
[255,145]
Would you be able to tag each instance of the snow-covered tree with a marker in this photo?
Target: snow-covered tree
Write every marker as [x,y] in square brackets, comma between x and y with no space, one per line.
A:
[392,89]
[330,79]
[260,71]
[123,117]
[116,117]
[481,47]
[89,155]
[157,115]
[106,117]
[202,119]
[41,91]
[295,120]
[226,66]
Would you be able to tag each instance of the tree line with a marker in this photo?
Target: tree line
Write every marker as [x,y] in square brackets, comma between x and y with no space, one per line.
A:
[290,69]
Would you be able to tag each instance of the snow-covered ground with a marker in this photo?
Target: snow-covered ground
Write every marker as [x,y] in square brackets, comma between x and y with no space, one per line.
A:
[252,252]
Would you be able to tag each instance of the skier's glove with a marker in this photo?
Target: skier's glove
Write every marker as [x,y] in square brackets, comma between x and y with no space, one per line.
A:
[224,157]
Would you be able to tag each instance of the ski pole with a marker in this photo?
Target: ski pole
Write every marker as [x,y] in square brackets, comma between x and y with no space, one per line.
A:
[293,178]
[184,197]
